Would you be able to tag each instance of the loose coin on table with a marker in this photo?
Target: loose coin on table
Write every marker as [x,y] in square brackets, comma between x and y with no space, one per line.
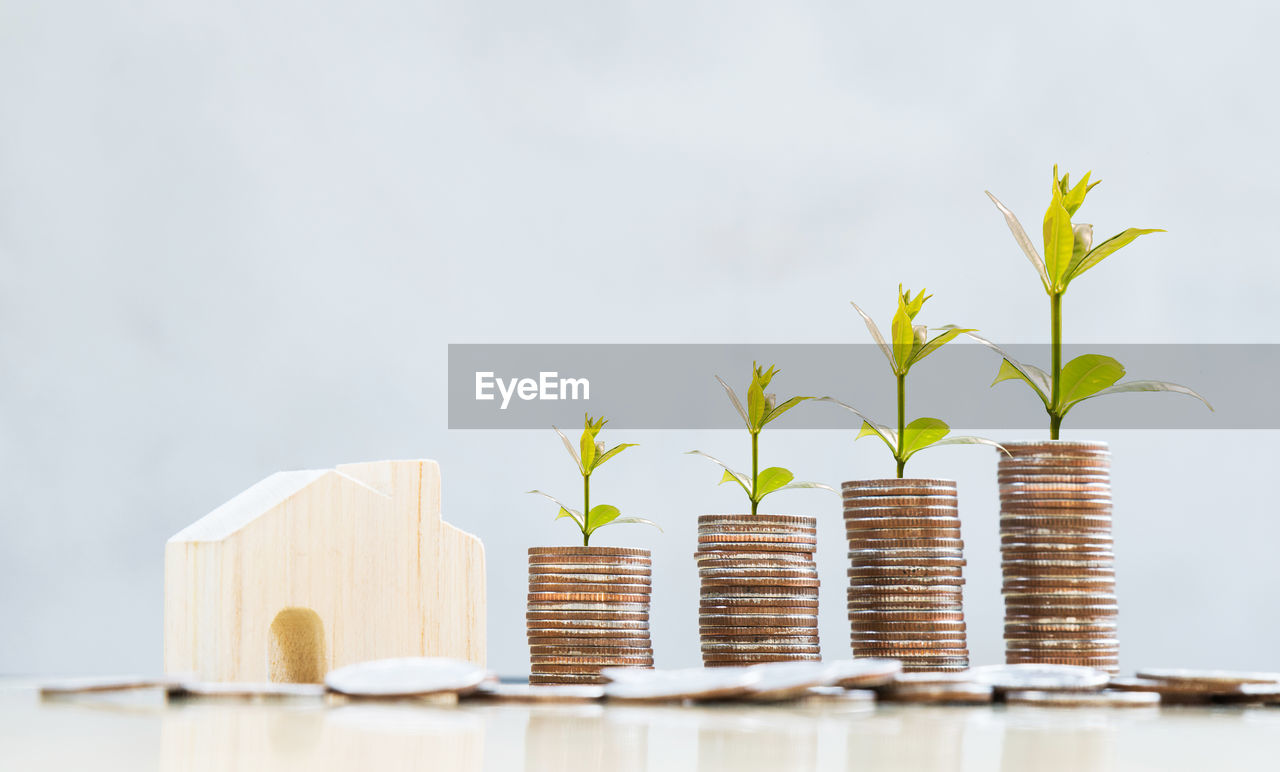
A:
[1100,699]
[406,677]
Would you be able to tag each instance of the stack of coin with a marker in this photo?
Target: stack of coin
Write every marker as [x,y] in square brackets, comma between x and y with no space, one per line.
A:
[906,562]
[759,589]
[588,610]
[1059,563]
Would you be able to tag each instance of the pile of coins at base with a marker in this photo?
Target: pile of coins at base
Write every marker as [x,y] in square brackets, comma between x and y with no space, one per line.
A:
[1057,553]
[759,599]
[856,684]
[906,562]
[588,610]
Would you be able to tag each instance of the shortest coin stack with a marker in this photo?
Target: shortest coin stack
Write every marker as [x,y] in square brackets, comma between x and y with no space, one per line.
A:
[588,610]
[759,600]
[906,563]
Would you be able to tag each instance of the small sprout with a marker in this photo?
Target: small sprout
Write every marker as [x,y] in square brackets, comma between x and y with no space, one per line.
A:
[589,456]
[1069,251]
[761,409]
[911,344]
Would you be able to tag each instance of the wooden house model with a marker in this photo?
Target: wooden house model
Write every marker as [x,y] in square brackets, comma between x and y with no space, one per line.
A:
[311,570]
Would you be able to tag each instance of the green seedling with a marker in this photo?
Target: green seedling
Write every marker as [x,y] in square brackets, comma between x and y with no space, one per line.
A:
[589,456]
[910,344]
[761,409]
[1069,251]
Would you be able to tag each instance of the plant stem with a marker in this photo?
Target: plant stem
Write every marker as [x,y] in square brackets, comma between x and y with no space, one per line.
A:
[1055,335]
[902,423]
[755,469]
[586,509]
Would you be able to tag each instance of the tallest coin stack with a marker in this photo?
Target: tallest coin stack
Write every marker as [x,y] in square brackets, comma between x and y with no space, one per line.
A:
[1058,558]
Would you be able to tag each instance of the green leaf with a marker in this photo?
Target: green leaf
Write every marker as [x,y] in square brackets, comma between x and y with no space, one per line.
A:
[574,516]
[1086,375]
[639,520]
[587,443]
[889,436]
[737,476]
[565,511]
[875,333]
[1106,249]
[615,450]
[951,332]
[1011,368]
[757,406]
[729,476]
[1031,375]
[921,433]
[1020,236]
[784,407]
[1136,386]
[964,439]
[804,484]
[1074,197]
[600,515]
[734,399]
[770,480]
[572,453]
[904,335]
[1059,240]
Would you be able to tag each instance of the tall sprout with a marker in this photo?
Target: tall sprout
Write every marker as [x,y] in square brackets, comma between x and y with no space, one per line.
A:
[1069,251]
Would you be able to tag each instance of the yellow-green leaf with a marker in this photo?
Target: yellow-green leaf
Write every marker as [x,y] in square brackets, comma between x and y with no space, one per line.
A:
[771,479]
[921,433]
[601,514]
[1074,197]
[1024,241]
[1137,386]
[1059,240]
[1105,249]
[1087,375]
[615,450]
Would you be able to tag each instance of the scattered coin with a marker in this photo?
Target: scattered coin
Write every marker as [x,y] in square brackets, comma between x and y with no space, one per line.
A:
[1040,677]
[1067,699]
[406,677]
[91,684]
[1210,678]
[250,691]
[787,680]
[674,685]
[955,693]
[864,672]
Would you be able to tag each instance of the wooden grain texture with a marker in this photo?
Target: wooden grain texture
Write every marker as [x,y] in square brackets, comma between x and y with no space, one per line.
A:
[308,571]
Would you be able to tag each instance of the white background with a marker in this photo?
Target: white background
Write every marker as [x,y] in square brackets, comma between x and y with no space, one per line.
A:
[237,237]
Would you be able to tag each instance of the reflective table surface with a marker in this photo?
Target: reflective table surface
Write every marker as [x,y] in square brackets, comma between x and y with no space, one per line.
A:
[141,731]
